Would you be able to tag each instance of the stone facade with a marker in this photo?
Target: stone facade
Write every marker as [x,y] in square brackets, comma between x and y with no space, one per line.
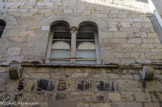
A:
[125,30]
[127,41]
[82,87]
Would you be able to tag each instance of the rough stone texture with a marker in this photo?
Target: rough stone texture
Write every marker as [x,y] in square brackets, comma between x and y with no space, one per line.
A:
[143,97]
[127,96]
[125,30]
[56,86]
[126,37]
[114,96]
[13,51]
[151,105]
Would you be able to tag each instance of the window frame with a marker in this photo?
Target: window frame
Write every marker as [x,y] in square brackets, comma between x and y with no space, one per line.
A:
[49,45]
[96,43]
[74,32]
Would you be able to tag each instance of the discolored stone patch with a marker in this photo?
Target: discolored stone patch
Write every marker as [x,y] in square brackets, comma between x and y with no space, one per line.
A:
[45,85]
[106,86]
[61,96]
[84,85]
[21,85]
[62,85]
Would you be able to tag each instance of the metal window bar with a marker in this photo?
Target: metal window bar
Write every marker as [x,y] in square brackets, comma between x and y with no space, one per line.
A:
[63,58]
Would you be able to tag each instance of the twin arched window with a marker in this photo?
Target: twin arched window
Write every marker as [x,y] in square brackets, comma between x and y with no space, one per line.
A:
[86,43]
[2,26]
[68,45]
[61,42]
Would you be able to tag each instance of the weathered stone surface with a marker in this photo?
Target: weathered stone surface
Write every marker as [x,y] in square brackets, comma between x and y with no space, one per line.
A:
[151,104]
[100,104]
[14,51]
[3,69]
[27,51]
[61,96]
[15,70]
[15,58]
[129,104]
[30,85]
[143,97]
[39,75]
[62,85]
[29,34]
[127,96]
[113,76]
[126,36]
[153,86]
[84,85]
[21,85]
[123,27]
[107,86]
[127,76]
[4,75]
[130,85]
[79,75]
[133,104]
[120,92]
[45,28]
[81,104]
[156,96]
[114,96]
[45,85]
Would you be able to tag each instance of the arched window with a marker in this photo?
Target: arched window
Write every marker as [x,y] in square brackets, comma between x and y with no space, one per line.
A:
[59,43]
[2,27]
[87,43]
[73,45]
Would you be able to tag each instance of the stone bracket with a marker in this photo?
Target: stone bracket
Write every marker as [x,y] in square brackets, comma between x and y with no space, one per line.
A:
[15,70]
[147,73]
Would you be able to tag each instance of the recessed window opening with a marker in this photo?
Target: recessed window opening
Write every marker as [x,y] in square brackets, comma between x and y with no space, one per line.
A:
[73,45]
[86,43]
[2,27]
[60,42]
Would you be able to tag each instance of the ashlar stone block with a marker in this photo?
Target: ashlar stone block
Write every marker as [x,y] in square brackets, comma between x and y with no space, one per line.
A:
[100,104]
[14,51]
[142,97]
[114,96]
[152,104]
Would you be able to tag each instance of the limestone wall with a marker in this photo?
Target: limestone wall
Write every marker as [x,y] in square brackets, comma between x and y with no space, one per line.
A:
[125,30]
[81,87]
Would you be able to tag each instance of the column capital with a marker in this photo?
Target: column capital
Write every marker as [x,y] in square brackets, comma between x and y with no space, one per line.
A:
[73,28]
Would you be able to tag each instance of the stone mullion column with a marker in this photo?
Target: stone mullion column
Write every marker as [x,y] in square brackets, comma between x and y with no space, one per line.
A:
[73,44]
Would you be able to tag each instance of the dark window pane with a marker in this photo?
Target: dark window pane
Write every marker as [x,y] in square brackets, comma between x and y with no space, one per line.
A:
[85,35]
[62,35]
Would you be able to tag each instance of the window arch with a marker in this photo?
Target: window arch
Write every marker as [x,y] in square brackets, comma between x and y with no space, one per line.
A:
[59,42]
[2,26]
[74,45]
[87,43]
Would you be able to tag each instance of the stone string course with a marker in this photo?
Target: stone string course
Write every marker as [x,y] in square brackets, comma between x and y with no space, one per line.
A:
[125,29]
[82,87]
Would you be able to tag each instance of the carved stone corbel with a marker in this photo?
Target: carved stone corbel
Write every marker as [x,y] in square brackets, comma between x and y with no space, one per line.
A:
[15,70]
[148,73]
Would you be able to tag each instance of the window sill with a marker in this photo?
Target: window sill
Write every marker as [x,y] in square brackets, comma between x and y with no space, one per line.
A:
[115,66]
[138,66]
